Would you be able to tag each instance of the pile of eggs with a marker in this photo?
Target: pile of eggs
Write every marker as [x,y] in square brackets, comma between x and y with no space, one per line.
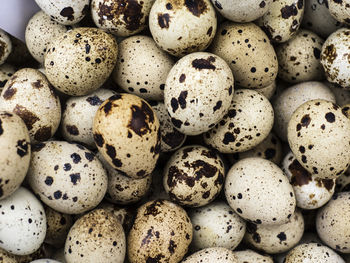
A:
[177,131]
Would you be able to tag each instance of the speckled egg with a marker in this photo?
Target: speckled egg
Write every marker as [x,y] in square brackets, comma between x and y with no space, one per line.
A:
[244,126]
[213,254]
[6,71]
[29,94]
[121,18]
[313,252]
[139,56]
[269,90]
[64,11]
[78,116]
[15,152]
[334,57]
[258,191]
[250,256]
[248,52]
[340,10]
[182,27]
[291,98]
[6,257]
[198,92]
[161,233]
[299,58]
[126,132]
[318,133]
[22,223]
[193,176]
[216,225]
[5,46]
[67,176]
[96,237]
[80,61]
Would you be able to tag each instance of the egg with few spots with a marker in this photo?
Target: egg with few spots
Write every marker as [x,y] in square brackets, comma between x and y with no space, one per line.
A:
[67,176]
[250,256]
[198,92]
[340,10]
[80,61]
[258,191]
[5,46]
[317,131]
[269,90]
[6,71]
[182,27]
[244,126]
[96,237]
[22,223]
[29,94]
[212,254]
[162,232]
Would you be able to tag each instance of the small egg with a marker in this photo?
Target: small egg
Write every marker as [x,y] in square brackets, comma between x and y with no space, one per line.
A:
[6,71]
[213,254]
[250,256]
[5,46]
[269,90]
[340,10]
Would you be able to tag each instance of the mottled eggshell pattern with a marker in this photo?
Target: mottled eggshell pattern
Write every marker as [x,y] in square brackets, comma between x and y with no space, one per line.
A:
[126,132]
[244,126]
[121,18]
[213,254]
[96,237]
[29,94]
[258,191]
[139,56]
[182,27]
[161,233]
[80,61]
[334,50]
[340,10]
[299,58]
[318,135]
[198,92]
[65,12]
[15,152]
[310,191]
[22,223]
[5,46]
[248,52]
[6,72]
[250,256]
[291,98]
[78,116]
[67,176]
[216,225]
[193,176]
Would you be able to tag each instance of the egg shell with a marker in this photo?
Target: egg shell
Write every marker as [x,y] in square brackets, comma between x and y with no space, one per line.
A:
[67,176]
[318,133]
[6,257]
[250,256]
[126,132]
[342,96]
[340,10]
[29,94]
[5,46]
[198,92]
[184,27]
[45,260]
[258,191]
[96,237]
[80,61]
[343,182]
[162,232]
[139,56]
[269,90]
[213,254]
[22,223]
[6,71]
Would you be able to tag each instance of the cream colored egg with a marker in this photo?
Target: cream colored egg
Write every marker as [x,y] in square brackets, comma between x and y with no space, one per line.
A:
[213,254]
[340,10]
[250,256]
[5,46]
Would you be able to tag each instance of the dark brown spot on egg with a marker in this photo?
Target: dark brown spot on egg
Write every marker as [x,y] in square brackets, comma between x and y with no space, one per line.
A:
[68,12]
[330,117]
[252,229]
[152,208]
[37,84]
[288,11]
[177,123]
[300,176]
[182,99]
[176,175]
[94,100]
[107,107]
[210,31]
[174,104]
[228,138]
[305,120]
[173,139]
[163,20]
[282,237]
[9,92]
[196,7]
[317,53]
[72,129]
[217,106]
[262,4]
[43,134]
[328,184]
[98,138]
[75,157]
[202,63]
[182,78]
[329,53]
[111,151]
[141,118]
[49,180]
[74,178]
[22,147]
[172,246]
[169,6]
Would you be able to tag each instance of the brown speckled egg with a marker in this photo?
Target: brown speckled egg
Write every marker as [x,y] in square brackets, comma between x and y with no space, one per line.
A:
[139,56]
[182,27]
[29,94]
[193,176]
[80,61]
[198,92]
[299,58]
[248,52]
[6,71]
[244,126]
[318,135]
[250,256]
[96,237]
[67,176]
[258,191]
[340,10]
[15,152]
[213,254]
[161,233]
[5,46]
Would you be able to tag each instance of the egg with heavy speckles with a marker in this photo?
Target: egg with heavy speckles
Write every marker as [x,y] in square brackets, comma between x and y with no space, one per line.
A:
[5,46]
[182,27]
[193,176]
[198,92]
[161,233]
[22,223]
[67,176]
[126,132]
[340,10]
[6,71]
[250,256]
[80,61]
[318,135]
[244,126]
[258,191]
[213,254]
[29,94]
[96,237]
